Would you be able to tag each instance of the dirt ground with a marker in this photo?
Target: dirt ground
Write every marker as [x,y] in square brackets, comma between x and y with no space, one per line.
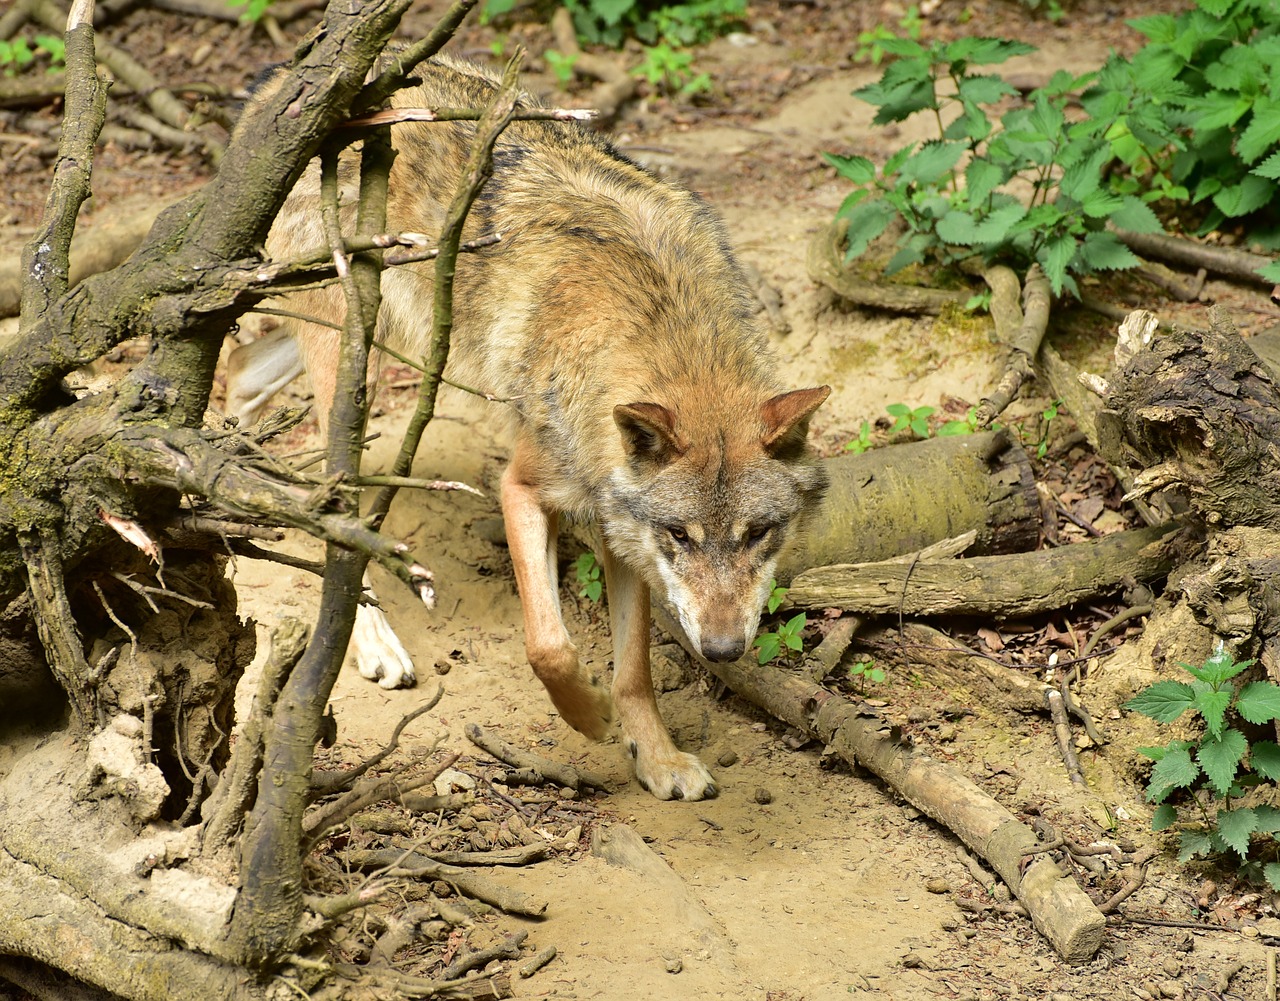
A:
[801,882]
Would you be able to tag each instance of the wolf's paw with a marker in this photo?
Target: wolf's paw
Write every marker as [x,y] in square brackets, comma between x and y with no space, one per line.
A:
[585,705]
[673,774]
[379,654]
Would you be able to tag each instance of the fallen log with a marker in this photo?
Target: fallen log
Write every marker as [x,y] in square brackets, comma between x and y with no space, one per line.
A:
[1058,907]
[1002,586]
[877,505]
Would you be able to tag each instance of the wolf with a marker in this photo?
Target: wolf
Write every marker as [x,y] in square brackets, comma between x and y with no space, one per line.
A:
[614,317]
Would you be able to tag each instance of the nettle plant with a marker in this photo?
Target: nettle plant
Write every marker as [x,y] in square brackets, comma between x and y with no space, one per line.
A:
[1213,72]
[1219,768]
[955,195]
[788,637]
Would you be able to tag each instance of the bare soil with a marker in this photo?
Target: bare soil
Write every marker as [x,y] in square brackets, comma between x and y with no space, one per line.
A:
[801,882]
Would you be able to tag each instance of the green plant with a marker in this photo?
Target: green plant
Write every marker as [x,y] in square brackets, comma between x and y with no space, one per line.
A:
[253,9]
[1218,767]
[952,193]
[1208,71]
[865,671]
[861,443]
[587,570]
[870,50]
[1049,415]
[561,65]
[787,637]
[1194,116]
[905,419]
[788,634]
[17,54]
[961,425]
[671,70]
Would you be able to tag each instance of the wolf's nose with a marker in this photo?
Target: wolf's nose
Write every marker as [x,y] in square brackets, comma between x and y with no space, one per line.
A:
[723,649]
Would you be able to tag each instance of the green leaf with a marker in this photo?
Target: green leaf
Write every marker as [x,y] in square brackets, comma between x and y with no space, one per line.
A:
[959,228]
[867,220]
[1216,110]
[1235,826]
[1103,251]
[1259,702]
[1263,131]
[984,51]
[1175,770]
[1268,819]
[1100,204]
[1193,843]
[1270,167]
[1164,701]
[1252,193]
[1157,27]
[857,169]
[984,89]
[1058,252]
[1084,177]
[1264,758]
[1271,871]
[1164,817]
[768,646]
[1218,667]
[1136,216]
[981,177]
[1212,704]
[932,161]
[1220,757]
[1270,272]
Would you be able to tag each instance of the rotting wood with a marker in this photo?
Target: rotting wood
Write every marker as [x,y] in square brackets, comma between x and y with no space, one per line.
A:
[1197,411]
[1005,586]
[825,262]
[1059,908]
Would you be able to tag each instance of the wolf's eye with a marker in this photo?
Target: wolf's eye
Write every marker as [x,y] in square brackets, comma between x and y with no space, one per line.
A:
[756,533]
[679,534]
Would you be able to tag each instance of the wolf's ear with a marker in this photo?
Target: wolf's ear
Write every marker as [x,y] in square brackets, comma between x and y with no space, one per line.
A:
[786,417]
[649,431]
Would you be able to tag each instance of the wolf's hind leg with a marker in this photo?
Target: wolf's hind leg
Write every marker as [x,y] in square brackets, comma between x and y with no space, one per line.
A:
[662,769]
[531,535]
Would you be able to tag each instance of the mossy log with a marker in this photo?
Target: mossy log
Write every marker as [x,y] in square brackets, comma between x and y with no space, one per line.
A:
[900,499]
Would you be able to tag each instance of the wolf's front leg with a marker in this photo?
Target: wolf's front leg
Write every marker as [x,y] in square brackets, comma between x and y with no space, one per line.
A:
[663,770]
[582,700]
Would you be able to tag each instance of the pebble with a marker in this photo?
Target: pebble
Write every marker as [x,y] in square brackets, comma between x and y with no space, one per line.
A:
[947,733]
[1172,968]
[673,964]
[727,759]
[1171,989]
[937,885]
[763,796]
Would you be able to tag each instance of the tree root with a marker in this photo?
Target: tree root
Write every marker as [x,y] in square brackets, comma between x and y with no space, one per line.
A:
[826,267]
[543,769]
[415,865]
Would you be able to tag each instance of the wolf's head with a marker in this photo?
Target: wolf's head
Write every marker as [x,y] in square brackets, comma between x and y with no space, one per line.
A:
[705,501]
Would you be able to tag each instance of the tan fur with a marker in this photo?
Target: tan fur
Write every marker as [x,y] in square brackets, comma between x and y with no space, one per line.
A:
[613,312]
